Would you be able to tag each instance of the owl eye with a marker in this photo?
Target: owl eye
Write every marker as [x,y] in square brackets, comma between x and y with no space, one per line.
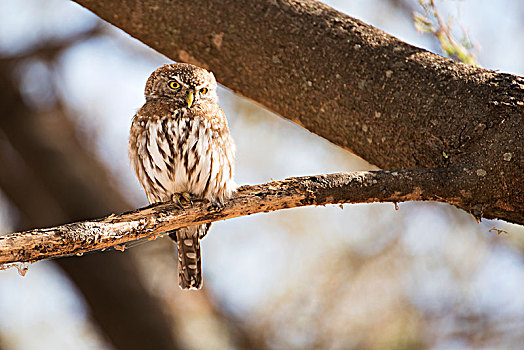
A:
[203,91]
[173,85]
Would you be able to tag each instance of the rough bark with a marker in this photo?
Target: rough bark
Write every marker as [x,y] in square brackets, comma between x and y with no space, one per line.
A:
[393,104]
[151,222]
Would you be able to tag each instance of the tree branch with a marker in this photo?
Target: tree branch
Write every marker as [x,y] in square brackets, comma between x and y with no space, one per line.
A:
[393,104]
[152,221]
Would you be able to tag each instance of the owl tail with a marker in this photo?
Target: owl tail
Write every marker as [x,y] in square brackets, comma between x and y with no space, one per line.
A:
[189,266]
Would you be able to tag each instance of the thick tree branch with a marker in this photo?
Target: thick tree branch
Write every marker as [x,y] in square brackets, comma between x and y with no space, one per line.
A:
[152,221]
[393,104]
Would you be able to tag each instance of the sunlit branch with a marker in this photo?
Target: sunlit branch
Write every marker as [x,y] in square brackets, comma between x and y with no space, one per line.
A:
[151,222]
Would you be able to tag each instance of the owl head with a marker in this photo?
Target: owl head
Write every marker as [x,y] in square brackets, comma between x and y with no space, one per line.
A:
[184,83]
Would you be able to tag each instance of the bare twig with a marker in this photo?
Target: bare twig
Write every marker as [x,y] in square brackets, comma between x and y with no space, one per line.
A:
[442,31]
[49,49]
[151,222]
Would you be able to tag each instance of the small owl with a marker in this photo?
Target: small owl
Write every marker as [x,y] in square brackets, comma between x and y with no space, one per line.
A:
[180,148]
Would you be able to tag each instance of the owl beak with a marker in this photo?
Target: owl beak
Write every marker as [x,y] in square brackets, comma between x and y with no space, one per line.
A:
[190,97]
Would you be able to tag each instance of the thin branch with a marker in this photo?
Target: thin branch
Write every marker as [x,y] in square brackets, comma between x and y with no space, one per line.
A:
[50,49]
[151,222]
[460,51]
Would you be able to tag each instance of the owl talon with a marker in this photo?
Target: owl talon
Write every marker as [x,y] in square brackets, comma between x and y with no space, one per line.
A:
[187,197]
[216,206]
[178,198]
[175,197]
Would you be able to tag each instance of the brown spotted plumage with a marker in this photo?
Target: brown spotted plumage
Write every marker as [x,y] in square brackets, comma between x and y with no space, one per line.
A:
[180,148]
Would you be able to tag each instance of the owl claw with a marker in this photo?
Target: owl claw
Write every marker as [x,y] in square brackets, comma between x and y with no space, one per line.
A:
[175,197]
[178,198]
[216,206]
[187,197]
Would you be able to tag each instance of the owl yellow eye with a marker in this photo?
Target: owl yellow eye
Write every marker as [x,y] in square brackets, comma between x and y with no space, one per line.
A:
[173,85]
[203,91]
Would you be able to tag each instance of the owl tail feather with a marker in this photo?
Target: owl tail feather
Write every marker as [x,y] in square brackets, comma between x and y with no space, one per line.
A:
[189,261]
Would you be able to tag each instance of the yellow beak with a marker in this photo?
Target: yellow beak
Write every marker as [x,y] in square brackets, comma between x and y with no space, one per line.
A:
[190,97]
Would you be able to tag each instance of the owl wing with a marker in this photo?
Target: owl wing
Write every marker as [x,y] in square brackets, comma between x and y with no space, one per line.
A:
[151,149]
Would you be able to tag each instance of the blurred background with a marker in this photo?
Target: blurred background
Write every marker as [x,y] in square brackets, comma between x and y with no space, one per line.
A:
[368,276]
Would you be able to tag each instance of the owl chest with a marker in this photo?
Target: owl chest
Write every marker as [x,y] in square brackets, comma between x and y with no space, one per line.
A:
[177,155]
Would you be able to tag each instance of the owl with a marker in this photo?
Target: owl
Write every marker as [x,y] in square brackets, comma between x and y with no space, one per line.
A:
[180,149]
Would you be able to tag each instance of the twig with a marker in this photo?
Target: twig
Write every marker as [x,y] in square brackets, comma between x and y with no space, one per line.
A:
[442,32]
